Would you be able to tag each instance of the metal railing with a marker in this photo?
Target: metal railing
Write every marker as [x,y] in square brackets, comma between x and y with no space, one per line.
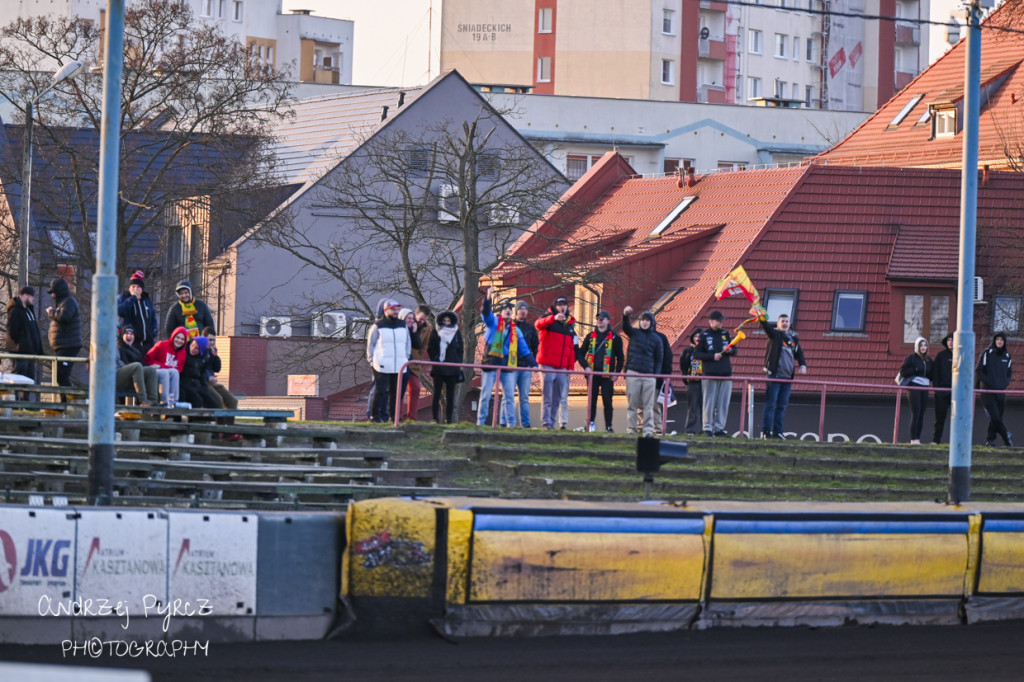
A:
[52,359]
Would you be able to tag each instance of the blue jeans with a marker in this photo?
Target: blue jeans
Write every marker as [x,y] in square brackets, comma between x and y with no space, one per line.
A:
[524,379]
[776,399]
[508,386]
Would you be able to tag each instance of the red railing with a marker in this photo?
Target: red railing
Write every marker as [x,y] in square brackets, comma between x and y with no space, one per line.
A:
[744,381]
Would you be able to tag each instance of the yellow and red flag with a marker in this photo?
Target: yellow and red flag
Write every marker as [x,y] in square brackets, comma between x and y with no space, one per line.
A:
[737,282]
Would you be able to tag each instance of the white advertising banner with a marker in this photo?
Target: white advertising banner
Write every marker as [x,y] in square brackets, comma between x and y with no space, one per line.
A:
[212,562]
[122,559]
[37,559]
[845,64]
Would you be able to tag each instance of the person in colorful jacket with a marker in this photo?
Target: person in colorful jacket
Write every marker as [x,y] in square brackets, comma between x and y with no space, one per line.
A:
[690,366]
[600,352]
[188,312]
[504,346]
[557,350]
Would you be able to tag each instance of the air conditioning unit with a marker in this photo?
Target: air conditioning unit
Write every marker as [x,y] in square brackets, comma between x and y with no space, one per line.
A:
[979,290]
[329,326]
[276,327]
[448,203]
[503,214]
[358,327]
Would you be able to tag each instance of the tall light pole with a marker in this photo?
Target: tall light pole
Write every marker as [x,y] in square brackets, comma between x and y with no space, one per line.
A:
[65,72]
[962,422]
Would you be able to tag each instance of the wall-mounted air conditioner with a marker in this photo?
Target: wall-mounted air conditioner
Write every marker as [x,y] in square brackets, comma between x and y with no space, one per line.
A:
[358,327]
[329,326]
[276,327]
[979,290]
[503,214]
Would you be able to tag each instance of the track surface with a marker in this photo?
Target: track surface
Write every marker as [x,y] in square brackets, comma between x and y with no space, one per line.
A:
[980,652]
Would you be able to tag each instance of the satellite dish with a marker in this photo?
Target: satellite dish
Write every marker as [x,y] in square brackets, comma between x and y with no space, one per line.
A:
[704,33]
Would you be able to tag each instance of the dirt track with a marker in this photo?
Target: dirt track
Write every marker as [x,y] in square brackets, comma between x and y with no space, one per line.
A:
[988,652]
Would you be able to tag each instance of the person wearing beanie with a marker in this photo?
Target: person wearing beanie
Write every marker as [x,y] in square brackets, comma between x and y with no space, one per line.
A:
[600,352]
[524,375]
[714,353]
[23,335]
[388,347]
[644,356]
[445,346]
[916,373]
[942,377]
[410,380]
[994,373]
[135,308]
[133,376]
[421,341]
[188,312]
[194,384]
[65,333]
[556,350]
[689,366]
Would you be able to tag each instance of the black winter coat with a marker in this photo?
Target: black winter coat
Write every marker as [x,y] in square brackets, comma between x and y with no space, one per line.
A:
[942,367]
[176,318]
[601,349]
[995,369]
[141,315]
[776,339]
[645,348]
[915,366]
[126,354]
[666,352]
[529,333]
[712,342]
[198,368]
[686,365]
[22,329]
[66,321]
[453,353]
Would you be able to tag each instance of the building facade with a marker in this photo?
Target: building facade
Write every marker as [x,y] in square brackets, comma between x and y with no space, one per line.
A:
[788,52]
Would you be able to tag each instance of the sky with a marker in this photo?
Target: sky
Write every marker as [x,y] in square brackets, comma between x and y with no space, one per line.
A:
[391,38]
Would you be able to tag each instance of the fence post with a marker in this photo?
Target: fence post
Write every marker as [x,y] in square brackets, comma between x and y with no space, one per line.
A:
[896,422]
[743,405]
[494,398]
[750,411]
[398,395]
[588,374]
[821,415]
[664,405]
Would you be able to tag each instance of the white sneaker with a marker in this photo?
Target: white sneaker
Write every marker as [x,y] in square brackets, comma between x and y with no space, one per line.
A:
[915,442]
[591,429]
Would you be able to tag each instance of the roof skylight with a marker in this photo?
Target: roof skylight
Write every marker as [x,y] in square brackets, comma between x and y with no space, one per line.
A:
[907,108]
[673,214]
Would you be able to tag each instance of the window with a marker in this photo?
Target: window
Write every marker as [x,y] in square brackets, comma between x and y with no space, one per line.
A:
[587,303]
[780,88]
[780,302]
[755,87]
[905,111]
[808,95]
[739,40]
[732,165]
[796,49]
[848,311]
[1006,315]
[780,44]
[576,166]
[206,8]
[666,72]
[667,22]
[220,8]
[672,165]
[672,215]
[544,19]
[419,162]
[944,122]
[238,10]
[755,41]
[544,70]
[925,315]
[487,165]
[810,50]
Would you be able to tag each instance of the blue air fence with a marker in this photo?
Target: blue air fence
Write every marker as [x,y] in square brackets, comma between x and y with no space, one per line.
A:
[741,383]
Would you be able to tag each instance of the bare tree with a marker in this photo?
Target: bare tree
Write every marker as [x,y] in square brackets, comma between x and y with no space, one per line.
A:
[196,113]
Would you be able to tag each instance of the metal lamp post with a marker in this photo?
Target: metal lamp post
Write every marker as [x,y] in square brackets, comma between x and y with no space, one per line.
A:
[67,71]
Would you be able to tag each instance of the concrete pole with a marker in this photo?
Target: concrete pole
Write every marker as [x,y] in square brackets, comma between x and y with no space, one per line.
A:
[962,421]
[24,232]
[103,346]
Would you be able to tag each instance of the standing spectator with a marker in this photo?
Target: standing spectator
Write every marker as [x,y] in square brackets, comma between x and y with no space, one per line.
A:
[690,366]
[916,371]
[780,362]
[942,377]
[188,312]
[995,370]
[504,347]
[370,394]
[644,357]
[132,373]
[420,351]
[445,346]
[168,356]
[388,347]
[65,328]
[601,353]
[714,353]
[410,379]
[556,350]
[524,376]
[135,308]
[23,332]
[666,368]
[218,390]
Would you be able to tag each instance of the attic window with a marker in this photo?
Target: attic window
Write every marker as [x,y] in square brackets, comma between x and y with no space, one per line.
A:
[944,122]
[925,117]
[905,111]
[673,214]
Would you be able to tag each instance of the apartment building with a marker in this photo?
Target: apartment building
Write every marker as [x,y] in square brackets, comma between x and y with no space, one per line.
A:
[808,53]
[318,48]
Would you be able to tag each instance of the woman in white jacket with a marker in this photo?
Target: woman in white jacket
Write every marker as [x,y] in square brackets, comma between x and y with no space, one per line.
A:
[388,347]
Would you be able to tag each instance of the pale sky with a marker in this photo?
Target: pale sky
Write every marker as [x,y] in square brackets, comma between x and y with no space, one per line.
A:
[391,37]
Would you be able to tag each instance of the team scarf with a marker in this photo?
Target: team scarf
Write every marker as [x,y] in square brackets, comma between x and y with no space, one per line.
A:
[592,346]
[189,311]
[497,349]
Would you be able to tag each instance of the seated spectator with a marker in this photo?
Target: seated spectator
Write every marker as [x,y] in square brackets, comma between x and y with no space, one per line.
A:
[132,375]
[217,389]
[194,386]
[168,357]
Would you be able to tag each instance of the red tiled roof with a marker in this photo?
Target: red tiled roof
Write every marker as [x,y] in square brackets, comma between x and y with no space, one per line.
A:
[923,253]
[876,143]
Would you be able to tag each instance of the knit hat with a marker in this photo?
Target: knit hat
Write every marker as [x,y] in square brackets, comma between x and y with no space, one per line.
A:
[404,312]
[522,305]
[138,277]
[716,315]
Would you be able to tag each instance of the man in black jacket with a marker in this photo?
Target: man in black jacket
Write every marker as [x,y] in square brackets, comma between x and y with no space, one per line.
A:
[135,308]
[188,312]
[65,333]
[23,331]
[942,377]
[644,357]
[995,371]
[601,352]
[780,362]
[714,353]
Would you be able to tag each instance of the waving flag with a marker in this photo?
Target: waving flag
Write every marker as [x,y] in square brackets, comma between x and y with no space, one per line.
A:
[737,282]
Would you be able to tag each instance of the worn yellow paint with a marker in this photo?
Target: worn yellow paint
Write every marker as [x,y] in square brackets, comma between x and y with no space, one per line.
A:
[973,553]
[708,539]
[758,566]
[553,566]
[460,533]
[409,524]
[1002,563]
[345,555]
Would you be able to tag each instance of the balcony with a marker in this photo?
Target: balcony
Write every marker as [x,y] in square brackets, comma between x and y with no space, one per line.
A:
[907,34]
[326,75]
[903,78]
[712,48]
[711,94]
[713,6]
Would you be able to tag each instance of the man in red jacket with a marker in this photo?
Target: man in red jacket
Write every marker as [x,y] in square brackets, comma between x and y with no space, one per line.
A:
[557,331]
